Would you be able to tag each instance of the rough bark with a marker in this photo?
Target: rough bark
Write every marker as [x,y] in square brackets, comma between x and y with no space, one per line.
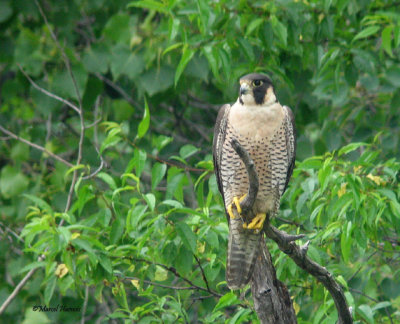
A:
[271,297]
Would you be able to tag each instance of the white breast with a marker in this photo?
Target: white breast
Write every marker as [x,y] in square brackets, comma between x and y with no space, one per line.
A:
[257,122]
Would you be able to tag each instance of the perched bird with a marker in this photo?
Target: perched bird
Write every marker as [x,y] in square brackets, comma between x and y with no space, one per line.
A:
[266,130]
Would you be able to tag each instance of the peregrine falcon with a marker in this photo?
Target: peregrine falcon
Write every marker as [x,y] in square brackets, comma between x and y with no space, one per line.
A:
[267,131]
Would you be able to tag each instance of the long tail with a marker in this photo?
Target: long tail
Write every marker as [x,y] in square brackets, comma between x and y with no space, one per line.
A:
[242,253]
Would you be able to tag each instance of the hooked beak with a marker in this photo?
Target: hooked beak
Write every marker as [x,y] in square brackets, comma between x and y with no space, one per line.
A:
[244,89]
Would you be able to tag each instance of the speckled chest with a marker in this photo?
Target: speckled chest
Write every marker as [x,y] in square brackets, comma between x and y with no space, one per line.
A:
[261,132]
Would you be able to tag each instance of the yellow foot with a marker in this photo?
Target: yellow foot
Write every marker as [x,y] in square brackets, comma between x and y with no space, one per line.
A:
[257,222]
[237,202]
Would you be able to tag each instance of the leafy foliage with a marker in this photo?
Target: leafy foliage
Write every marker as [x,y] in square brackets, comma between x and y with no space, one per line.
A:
[145,236]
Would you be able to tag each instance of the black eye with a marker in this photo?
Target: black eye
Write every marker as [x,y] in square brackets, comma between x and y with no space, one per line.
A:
[257,83]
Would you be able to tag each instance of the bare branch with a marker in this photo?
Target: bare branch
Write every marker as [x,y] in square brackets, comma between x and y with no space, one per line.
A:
[313,268]
[117,88]
[103,163]
[202,272]
[38,147]
[47,93]
[85,302]
[18,288]
[176,274]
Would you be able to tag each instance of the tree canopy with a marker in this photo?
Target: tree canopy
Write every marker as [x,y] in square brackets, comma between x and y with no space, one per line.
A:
[108,202]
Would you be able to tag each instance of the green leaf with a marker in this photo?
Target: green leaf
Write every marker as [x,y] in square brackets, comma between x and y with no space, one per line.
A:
[117,28]
[226,300]
[387,40]
[247,48]
[150,200]
[12,182]
[105,262]
[350,148]
[145,123]
[117,229]
[139,161]
[157,174]
[33,265]
[107,179]
[212,59]
[187,236]
[35,316]
[371,30]
[187,151]
[186,57]
[161,274]
[40,202]
[366,313]
[5,11]
[393,75]
[149,4]
[49,290]
[279,30]
[345,241]
[172,47]
[254,24]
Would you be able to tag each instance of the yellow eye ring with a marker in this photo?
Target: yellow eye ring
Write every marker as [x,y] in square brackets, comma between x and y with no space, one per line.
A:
[257,83]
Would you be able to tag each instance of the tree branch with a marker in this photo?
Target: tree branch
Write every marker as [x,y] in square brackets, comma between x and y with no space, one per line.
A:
[296,253]
[248,202]
[38,147]
[47,93]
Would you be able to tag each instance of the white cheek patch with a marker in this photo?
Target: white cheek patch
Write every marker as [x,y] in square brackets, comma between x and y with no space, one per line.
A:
[248,99]
[270,97]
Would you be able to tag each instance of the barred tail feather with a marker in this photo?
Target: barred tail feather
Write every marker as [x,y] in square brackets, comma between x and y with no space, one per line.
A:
[242,253]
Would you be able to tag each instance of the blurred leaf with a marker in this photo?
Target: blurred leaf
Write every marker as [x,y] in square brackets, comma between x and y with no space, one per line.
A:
[49,290]
[145,123]
[279,30]
[157,174]
[371,30]
[187,151]
[149,4]
[107,179]
[387,40]
[187,236]
[226,300]
[366,313]
[35,316]
[187,55]
[12,182]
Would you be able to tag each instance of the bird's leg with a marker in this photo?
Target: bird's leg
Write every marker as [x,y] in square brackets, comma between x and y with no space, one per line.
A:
[257,223]
[236,202]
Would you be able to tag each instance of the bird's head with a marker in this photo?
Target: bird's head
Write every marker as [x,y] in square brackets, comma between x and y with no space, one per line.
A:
[256,89]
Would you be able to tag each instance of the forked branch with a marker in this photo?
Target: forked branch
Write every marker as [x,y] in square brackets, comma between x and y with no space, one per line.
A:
[286,244]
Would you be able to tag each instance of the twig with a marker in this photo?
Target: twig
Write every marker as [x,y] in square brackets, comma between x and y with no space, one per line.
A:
[175,272]
[47,93]
[152,283]
[38,147]
[20,285]
[85,302]
[103,163]
[202,272]
[118,89]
